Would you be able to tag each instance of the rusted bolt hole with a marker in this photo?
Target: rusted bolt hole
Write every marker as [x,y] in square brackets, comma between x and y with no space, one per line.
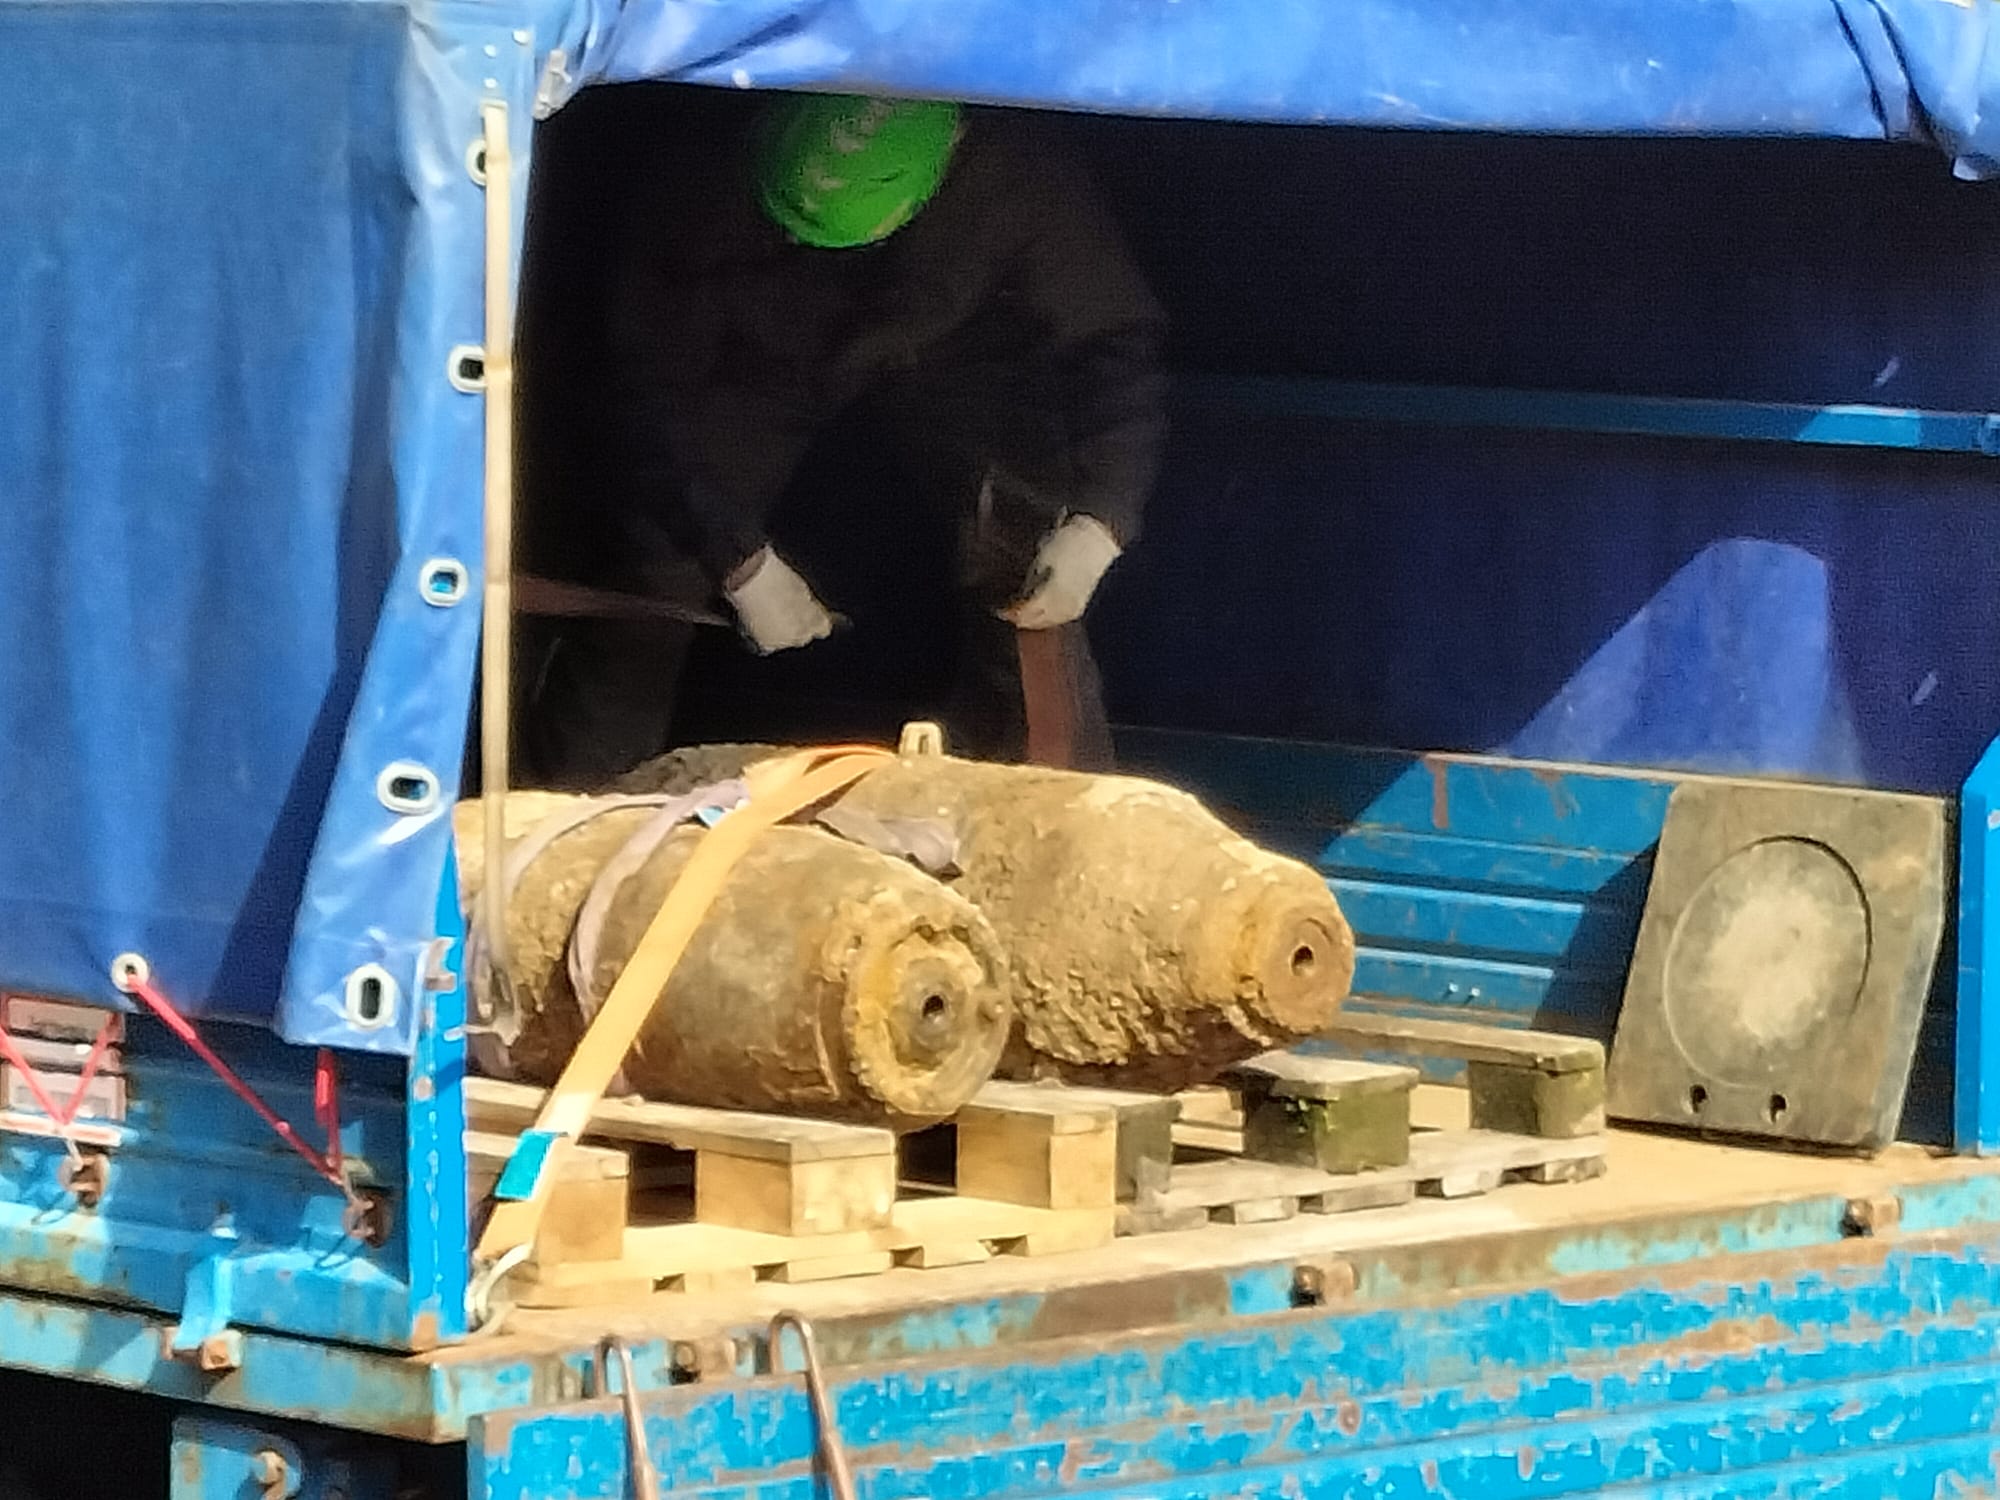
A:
[1697,1098]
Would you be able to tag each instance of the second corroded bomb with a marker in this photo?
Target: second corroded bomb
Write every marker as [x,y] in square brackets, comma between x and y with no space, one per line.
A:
[827,978]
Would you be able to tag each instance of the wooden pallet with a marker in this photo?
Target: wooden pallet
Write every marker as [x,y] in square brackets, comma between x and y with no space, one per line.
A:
[1313,1134]
[671,1197]
[743,1198]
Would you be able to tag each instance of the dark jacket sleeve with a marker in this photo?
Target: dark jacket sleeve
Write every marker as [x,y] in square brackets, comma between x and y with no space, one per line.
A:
[1105,338]
[705,457]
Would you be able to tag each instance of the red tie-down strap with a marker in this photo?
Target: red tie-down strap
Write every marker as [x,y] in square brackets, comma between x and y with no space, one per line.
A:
[326,1082]
[64,1116]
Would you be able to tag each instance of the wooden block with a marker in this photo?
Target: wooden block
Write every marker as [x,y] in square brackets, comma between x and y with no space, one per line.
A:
[835,1196]
[570,1285]
[1532,1101]
[1582,1169]
[486,1156]
[1464,1180]
[1463,1163]
[833,1267]
[1251,1192]
[1363,1191]
[1547,1051]
[1328,1113]
[1213,1106]
[1158,1215]
[1255,1211]
[588,1205]
[1001,1228]
[1037,1146]
[1201,1135]
[722,1281]
[929,1256]
[1295,1075]
[512,1107]
[585,1221]
[1145,1126]
[1062,1231]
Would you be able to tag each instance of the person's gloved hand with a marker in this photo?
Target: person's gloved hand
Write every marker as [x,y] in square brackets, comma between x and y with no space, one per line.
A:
[1068,566]
[775,606]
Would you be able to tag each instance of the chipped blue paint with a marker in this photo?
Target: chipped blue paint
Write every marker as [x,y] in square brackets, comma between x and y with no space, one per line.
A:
[1976,1114]
[1580,1389]
[440,1223]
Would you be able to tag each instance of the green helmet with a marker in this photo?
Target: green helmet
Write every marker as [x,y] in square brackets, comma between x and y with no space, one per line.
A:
[836,171]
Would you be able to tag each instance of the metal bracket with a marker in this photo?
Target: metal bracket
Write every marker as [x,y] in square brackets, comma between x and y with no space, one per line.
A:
[203,1334]
[638,1453]
[832,1452]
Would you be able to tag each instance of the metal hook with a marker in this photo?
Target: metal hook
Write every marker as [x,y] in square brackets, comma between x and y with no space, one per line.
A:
[832,1453]
[645,1478]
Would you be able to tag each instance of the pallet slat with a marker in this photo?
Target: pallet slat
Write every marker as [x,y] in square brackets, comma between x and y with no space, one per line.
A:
[1046,1169]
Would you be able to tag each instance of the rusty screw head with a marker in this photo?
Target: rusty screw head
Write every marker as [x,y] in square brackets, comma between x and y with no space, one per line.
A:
[271,1471]
[1875,1215]
[86,1178]
[1316,1283]
[220,1353]
[704,1358]
[367,1218]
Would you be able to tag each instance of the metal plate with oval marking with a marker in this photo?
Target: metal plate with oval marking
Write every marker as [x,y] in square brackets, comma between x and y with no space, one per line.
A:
[1783,962]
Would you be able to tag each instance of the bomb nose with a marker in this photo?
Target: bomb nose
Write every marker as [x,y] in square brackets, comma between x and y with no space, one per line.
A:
[1298,961]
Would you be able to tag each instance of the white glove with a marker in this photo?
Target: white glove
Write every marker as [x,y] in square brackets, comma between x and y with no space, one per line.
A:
[1068,566]
[776,607]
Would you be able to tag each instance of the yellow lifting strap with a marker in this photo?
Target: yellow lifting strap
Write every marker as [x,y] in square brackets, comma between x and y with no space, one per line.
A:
[778,789]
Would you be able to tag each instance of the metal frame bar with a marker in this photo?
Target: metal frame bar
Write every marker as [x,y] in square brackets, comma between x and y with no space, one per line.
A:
[1976,1086]
[1843,426]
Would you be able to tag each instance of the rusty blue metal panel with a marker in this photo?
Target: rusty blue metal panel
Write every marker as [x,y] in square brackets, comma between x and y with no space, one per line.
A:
[193,1170]
[1503,891]
[1478,889]
[1976,1116]
[439,1227]
[1869,1371]
[218,1460]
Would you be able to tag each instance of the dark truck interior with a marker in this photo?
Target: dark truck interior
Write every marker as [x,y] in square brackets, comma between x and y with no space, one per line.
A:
[1423,585]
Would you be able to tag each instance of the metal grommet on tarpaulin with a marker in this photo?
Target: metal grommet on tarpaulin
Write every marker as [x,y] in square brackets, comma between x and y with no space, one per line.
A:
[443,582]
[129,971]
[133,975]
[465,368]
[408,788]
[372,997]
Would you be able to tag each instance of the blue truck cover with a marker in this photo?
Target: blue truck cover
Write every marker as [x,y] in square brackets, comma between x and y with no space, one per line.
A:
[231,448]
[242,256]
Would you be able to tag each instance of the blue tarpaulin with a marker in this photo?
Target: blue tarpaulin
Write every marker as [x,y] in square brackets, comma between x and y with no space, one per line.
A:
[241,243]
[1868,69]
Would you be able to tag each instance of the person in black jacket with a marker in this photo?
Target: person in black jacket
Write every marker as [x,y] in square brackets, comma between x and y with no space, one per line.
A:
[948,271]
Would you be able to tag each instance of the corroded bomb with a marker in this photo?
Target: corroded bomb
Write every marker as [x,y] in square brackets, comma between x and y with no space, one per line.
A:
[1149,946]
[827,978]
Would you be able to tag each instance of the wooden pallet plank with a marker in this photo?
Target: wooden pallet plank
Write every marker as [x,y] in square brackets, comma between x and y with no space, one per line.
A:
[794,1198]
[588,1206]
[1544,1051]
[1039,1146]
[511,1107]
[1465,1163]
